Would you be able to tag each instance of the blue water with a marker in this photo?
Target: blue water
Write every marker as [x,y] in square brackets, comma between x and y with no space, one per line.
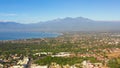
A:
[26,35]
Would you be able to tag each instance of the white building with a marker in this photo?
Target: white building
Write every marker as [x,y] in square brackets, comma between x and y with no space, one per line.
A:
[16,66]
[38,66]
[62,54]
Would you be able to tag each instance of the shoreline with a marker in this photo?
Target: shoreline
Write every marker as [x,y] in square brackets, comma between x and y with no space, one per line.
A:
[33,36]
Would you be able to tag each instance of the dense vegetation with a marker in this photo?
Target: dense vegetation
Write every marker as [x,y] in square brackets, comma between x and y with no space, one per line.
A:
[64,61]
[114,63]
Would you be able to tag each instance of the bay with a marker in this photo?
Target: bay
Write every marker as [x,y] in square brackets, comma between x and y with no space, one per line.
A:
[26,35]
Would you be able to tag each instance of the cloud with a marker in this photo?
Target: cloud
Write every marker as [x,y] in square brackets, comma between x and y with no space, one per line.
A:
[8,14]
[6,21]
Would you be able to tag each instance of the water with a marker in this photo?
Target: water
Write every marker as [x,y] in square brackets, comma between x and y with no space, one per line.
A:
[26,35]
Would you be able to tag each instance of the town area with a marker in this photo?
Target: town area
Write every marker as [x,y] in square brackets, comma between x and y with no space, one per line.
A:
[70,50]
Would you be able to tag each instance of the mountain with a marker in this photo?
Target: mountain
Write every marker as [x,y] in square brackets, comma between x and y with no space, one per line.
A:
[10,26]
[77,24]
[65,24]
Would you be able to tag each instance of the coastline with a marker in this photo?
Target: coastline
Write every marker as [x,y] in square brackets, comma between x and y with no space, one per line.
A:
[12,36]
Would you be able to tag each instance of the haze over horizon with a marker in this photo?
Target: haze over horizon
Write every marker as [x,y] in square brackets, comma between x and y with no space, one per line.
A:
[32,11]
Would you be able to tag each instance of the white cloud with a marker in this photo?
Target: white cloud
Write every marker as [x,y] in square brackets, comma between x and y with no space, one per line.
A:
[8,14]
[6,21]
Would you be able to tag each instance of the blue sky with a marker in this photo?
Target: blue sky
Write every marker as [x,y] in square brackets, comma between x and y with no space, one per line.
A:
[32,11]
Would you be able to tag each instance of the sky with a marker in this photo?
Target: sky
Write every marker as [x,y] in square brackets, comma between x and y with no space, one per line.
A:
[33,11]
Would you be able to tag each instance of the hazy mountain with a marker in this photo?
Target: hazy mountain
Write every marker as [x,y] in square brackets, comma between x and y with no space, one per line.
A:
[66,24]
[10,26]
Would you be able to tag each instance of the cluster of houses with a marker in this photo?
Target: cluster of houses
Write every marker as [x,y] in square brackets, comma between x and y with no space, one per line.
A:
[84,64]
[60,54]
[17,63]
[21,63]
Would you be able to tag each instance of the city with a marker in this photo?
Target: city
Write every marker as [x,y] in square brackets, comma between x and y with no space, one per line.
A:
[70,50]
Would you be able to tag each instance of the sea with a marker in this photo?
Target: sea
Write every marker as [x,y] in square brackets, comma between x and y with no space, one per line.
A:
[27,35]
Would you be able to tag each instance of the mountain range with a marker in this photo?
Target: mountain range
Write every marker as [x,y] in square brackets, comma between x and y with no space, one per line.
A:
[65,24]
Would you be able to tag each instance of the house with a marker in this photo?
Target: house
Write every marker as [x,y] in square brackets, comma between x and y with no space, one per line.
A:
[1,65]
[16,66]
[62,54]
[38,66]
